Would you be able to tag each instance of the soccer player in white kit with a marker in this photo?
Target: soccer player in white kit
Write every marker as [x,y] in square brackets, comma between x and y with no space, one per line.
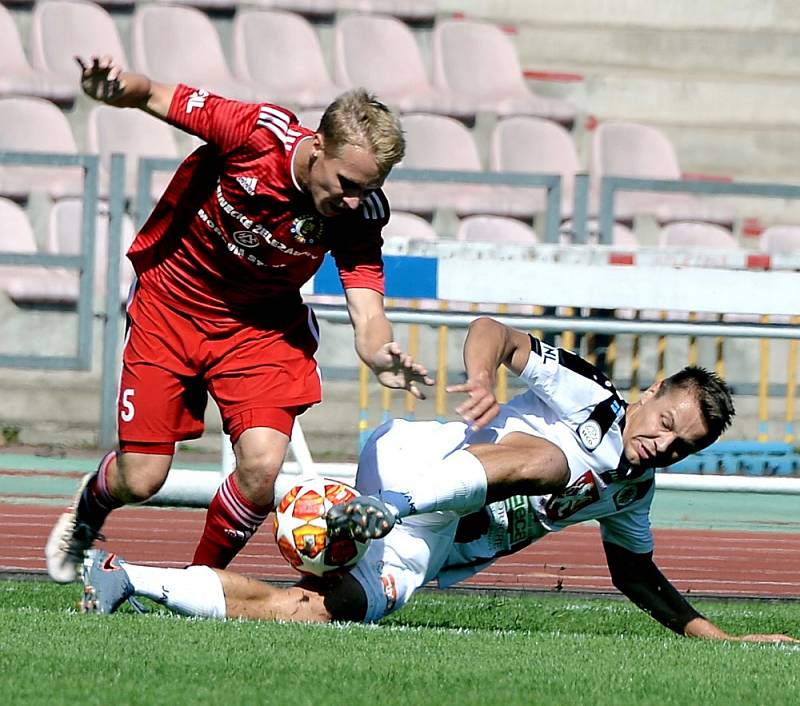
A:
[447,499]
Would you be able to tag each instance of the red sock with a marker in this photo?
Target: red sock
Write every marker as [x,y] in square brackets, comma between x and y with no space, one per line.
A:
[96,501]
[230,522]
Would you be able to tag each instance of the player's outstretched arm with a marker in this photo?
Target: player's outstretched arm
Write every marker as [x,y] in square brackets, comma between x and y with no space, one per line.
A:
[104,80]
[376,346]
[489,344]
[637,576]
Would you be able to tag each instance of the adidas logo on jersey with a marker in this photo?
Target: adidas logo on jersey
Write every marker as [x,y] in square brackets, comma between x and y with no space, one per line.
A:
[196,100]
[248,184]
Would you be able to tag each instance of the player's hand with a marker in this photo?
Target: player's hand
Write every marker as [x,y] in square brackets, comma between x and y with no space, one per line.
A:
[481,405]
[398,370]
[774,638]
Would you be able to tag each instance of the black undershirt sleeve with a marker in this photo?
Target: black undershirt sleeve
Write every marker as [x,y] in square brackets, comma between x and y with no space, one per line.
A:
[637,576]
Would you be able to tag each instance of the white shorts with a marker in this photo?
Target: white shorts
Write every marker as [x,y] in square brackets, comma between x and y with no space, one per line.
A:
[415,550]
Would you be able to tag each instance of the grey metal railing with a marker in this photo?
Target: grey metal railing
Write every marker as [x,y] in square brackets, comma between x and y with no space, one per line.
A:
[551,183]
[610,185]
[83,262]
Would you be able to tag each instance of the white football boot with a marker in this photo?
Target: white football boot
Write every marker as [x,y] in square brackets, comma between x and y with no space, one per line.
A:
[68,542]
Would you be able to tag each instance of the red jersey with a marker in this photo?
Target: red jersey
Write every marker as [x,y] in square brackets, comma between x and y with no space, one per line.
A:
[234,235]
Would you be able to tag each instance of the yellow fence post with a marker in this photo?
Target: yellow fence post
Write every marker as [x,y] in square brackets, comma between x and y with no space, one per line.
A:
[763,387]
[441,369]
[791,386]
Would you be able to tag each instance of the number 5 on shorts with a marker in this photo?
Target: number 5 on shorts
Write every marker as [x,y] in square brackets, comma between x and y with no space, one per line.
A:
[128,411]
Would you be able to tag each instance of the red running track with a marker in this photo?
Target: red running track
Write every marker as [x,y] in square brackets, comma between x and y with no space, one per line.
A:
[720,563]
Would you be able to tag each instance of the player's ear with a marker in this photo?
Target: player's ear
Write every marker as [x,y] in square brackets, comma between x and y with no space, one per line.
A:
[318,142]
[652,391]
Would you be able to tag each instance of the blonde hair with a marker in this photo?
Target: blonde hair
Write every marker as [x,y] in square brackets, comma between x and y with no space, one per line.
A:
[359,118]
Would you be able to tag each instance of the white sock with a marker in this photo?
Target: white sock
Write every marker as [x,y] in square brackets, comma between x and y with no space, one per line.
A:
[196,590]
[457,483]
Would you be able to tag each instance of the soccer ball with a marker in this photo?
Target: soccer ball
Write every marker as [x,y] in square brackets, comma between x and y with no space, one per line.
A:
[302,532]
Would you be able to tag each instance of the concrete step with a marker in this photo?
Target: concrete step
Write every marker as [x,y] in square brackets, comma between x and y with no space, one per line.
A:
[695,52]
[744,15]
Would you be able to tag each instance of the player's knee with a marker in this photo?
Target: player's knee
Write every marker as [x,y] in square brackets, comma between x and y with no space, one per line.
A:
[256,473]
[141,476]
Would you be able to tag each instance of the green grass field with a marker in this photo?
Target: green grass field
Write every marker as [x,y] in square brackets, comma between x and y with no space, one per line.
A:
[441,649]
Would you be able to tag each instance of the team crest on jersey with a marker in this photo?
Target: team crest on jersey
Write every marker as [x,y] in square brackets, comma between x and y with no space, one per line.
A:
[573,498]
[245,238]
[307,229]
[590,434]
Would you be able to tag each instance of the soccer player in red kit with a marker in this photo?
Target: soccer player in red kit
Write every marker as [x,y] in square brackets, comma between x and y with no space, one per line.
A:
[245,221]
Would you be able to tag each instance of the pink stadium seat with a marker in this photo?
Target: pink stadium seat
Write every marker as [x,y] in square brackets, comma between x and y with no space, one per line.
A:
[279,53]
[17,77]
[36,125]
[310,118]
[495,229]
[382,55]
[478,64]
[780,239]
[440,142]
[28,283]
[64,238]
[408,226]
[62,29]
[534,145]
[641,151]
[181,45]
[696,235]
[134,134]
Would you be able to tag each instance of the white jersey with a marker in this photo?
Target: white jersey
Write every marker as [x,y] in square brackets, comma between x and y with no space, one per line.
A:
[573,405]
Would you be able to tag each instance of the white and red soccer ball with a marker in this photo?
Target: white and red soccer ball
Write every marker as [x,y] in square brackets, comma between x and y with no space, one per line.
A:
[301,530]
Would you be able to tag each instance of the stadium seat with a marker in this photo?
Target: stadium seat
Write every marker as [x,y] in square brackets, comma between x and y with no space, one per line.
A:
[780,239]
[439,142]
[310,118]
[477,64]
[279,53]
[135,134]
[64,238]
[696,235]
[181,45]
[640,151]
[28,283]
[36,125]
[534,145]
[17,77]
[62,29]
[408,226]
[382,55]
[495,229]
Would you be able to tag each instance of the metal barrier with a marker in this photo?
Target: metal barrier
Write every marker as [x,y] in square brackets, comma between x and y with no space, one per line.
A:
[610,185]
[84,262]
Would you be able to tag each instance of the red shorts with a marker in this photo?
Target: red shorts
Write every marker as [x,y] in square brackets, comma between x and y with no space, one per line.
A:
[259,375]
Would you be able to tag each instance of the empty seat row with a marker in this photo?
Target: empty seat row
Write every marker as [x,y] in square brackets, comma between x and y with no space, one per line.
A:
[502,230]
[434,142]
[277,56]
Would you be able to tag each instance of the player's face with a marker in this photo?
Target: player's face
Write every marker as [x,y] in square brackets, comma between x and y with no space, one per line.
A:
[339,182]
[663,429]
